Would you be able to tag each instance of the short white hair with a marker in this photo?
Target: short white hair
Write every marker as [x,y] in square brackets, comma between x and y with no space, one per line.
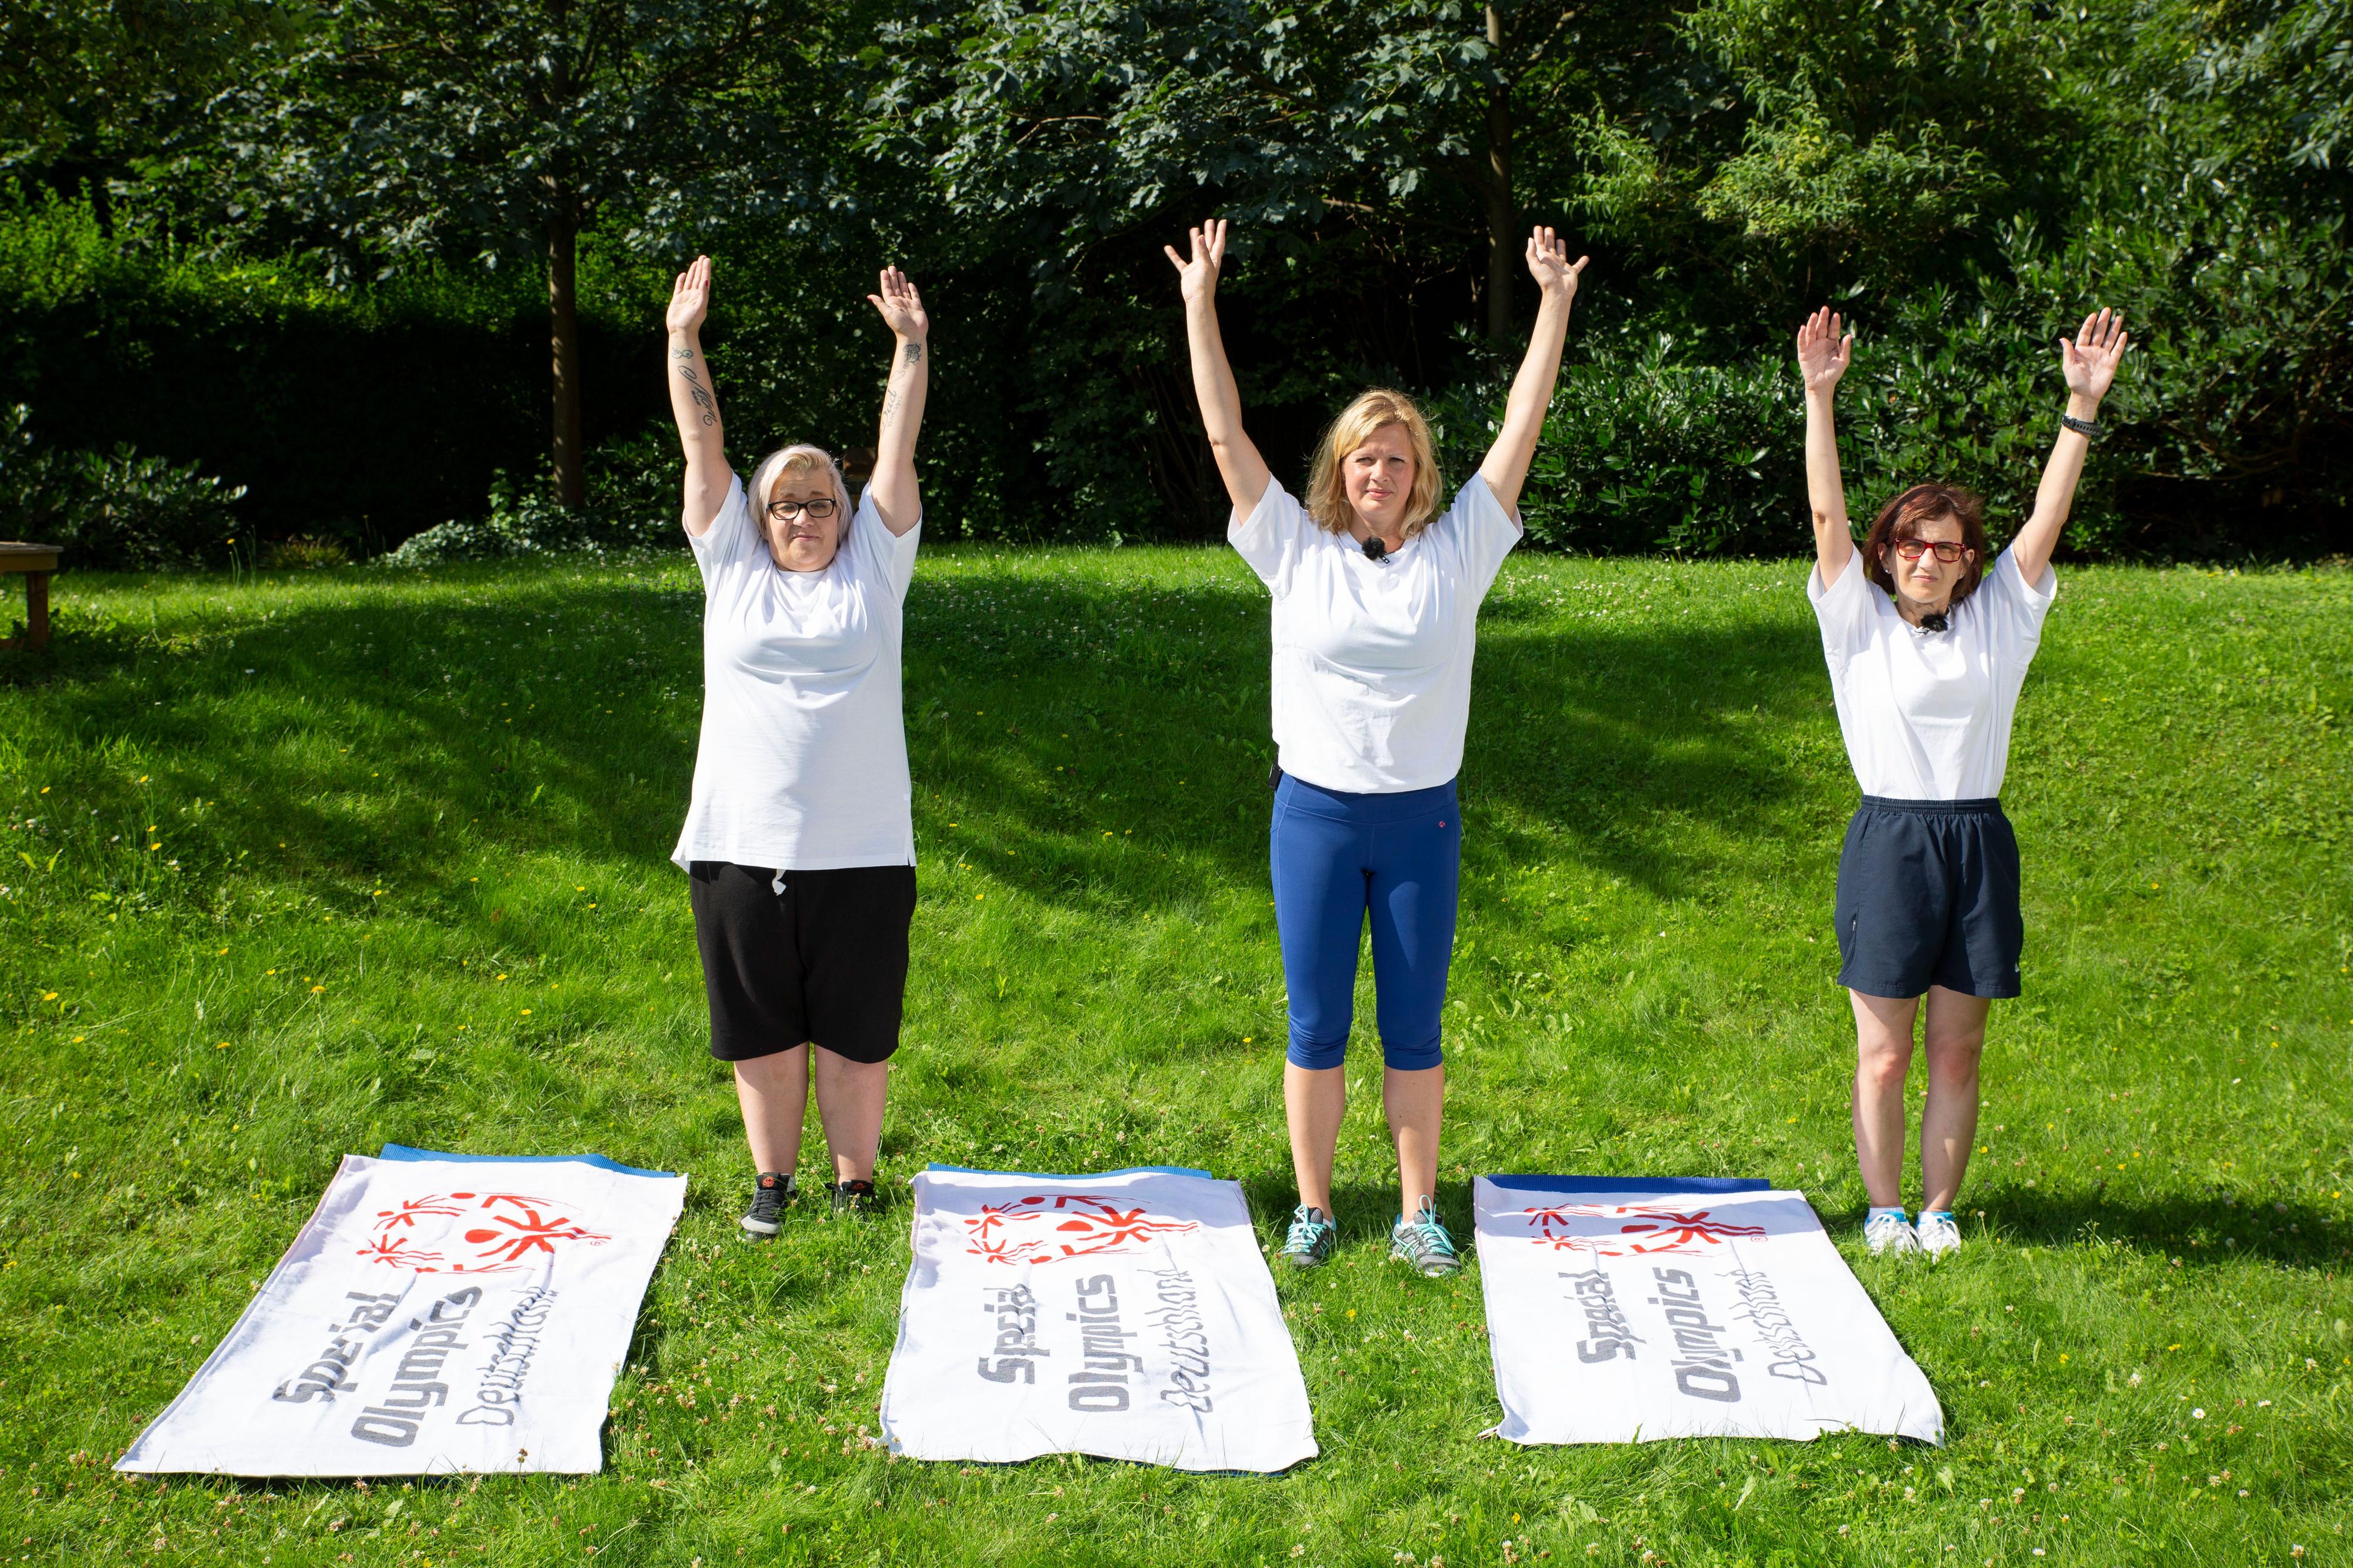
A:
[802,457]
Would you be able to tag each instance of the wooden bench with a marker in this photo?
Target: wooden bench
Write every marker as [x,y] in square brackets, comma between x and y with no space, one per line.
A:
[35,562]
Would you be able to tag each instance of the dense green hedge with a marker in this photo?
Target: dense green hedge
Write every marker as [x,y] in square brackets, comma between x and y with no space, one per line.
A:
[1966,182]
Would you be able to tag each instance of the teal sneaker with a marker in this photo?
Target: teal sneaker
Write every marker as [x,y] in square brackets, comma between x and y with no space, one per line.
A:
[1422,1241]
[1312,1237]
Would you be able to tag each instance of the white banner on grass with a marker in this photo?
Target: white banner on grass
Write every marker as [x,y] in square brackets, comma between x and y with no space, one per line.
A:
[440,1313]
[1128,1315]
[1622,1310]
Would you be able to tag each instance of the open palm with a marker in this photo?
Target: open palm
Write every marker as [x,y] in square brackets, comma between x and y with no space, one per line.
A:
[690,298]
[1197,276]
[2091,360]
[901,306]
[1824,347]
[1549,265]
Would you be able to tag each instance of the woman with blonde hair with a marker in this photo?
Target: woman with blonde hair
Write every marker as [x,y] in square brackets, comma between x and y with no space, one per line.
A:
[1377,593]
[799,843]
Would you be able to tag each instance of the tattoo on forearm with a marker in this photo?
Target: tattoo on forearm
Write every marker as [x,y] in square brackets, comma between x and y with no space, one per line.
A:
[681,353]
[912,354]
[890,405]
[701,394]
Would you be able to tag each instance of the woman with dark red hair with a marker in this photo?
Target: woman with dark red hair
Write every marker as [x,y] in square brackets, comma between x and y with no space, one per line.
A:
[1928,646]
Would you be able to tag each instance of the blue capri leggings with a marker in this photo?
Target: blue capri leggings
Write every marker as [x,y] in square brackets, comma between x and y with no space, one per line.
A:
[1337,856]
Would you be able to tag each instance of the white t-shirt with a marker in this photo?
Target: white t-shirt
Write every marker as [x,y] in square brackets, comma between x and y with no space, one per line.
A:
[1926,715]
[1372,658]
[803,762]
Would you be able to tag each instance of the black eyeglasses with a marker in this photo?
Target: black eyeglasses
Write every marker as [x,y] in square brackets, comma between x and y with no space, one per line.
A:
[1947,550]
[820,508]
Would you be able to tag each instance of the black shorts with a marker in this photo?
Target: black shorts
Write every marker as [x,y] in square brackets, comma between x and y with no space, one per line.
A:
[824,962]
[1927,895]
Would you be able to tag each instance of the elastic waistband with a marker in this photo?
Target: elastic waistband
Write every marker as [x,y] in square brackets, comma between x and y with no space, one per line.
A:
[1294,794]
[1991,804]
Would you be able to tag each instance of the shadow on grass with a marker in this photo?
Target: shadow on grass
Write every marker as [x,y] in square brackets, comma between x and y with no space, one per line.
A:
[2194,1230]
[1048,720]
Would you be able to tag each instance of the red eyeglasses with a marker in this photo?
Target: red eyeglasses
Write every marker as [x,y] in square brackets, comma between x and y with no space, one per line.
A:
[1947,552]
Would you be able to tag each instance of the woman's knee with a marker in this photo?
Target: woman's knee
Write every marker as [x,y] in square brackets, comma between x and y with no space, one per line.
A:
[1953,1057]
[1417,1055]
[1316,1055]
[1884,1063]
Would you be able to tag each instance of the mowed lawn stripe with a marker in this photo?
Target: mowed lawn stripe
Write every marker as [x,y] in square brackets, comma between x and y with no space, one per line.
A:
[297,864]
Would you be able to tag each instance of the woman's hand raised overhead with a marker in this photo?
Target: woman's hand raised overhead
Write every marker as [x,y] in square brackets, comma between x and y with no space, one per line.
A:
[2092,359]
[1824,350]
[901,306]
[1549,265]
[690,298]
[1197,277]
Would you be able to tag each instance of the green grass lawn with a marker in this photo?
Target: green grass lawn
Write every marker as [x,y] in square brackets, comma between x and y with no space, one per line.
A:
[299,865]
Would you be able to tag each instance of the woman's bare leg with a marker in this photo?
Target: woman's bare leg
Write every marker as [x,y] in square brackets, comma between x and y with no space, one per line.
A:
[849,1103]
[1415,1101]
[773,1092]
[1314,1101]
[1954,1038]
[1883,1027]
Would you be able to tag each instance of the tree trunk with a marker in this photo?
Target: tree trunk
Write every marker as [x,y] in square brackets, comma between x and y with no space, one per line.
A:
[563,334]
[1502,217]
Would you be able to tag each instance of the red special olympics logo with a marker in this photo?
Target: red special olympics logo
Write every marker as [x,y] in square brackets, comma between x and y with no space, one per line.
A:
[1051,1227]
[512,1232]
[1646,1229]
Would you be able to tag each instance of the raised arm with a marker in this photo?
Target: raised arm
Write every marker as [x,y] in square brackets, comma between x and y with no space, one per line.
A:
[693,403]
[2090,363]
[1507,467]
[1824,347]
[1244,470]
[895,494]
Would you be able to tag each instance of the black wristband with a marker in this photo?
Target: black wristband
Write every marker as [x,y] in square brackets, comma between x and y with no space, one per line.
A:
[2081,426]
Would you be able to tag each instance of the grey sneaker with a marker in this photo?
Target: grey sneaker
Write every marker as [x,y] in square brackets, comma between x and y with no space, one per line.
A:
[1312,1237]
[766,1214]
[852,1199]
[1422,1241]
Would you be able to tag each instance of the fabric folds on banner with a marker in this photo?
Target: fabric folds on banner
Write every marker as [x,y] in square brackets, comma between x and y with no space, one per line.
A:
[1625,1310]
[437,1313]
[1127,1315]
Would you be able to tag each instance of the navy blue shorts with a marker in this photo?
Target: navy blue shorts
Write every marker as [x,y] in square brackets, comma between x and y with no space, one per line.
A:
[1927,895]
[1338,858]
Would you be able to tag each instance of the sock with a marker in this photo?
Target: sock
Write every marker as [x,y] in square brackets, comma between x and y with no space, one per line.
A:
[1875,1213]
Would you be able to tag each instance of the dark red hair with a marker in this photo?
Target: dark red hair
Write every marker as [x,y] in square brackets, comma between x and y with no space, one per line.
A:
[1901,518]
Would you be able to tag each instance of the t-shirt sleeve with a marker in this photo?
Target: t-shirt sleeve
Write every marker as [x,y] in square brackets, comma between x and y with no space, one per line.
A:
[2013,611]
[1483,532]
[1843,608]
[1271,537]
[890,557]
[729,539]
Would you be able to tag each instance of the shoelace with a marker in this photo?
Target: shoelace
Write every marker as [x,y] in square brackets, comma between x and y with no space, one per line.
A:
[1432,1235]
[1302,1233]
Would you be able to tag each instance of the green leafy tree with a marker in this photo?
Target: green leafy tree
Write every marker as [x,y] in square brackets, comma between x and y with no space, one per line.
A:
[417,126]
[93,89]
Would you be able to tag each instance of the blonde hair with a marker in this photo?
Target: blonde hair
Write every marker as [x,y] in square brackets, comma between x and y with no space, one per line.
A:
[800,458]
[1327,490]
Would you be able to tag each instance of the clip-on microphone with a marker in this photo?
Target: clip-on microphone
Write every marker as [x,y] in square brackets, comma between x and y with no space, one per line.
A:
[1375,549]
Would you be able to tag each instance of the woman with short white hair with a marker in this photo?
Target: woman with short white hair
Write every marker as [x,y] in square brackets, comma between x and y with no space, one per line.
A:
[1376,591]
[799,842]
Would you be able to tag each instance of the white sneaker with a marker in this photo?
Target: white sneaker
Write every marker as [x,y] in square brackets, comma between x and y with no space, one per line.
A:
[1886,1233]
[1939,1235]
